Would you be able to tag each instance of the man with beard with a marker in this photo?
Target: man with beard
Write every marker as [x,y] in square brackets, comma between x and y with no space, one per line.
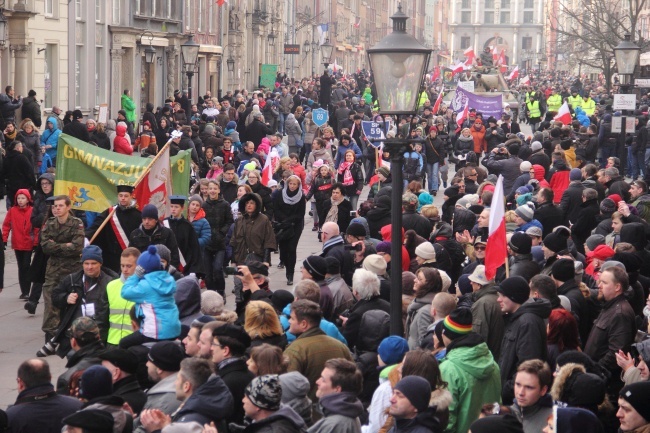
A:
[114,237]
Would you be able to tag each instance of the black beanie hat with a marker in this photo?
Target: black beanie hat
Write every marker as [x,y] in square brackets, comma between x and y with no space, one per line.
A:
[557,241]
[638,395]
[316,266]
[515,288]
[417,390]
[520,243]
[563,270]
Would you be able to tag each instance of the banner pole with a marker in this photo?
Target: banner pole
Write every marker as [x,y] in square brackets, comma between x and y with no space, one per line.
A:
[137,182]
[506,262]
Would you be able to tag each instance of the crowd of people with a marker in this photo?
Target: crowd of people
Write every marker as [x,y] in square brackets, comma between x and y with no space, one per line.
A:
[555,342]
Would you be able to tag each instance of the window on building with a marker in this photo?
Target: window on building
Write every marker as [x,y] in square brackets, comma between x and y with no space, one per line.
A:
[49,8]
[116,11]
[169,8]
[526,43]
[466,17]
[50,75]
[489,4]
[98,10]
[98,76]
[78,9]
[211,17]
[504,18]
[466,4]
[528,17]
[200,16]
[465,42]
[188,14]
[505,4]
[489,17]
[529,4]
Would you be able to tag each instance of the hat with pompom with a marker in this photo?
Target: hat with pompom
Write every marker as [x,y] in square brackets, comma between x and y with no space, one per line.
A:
[149,261]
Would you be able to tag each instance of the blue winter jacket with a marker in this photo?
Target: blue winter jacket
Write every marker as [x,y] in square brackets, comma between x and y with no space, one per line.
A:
[326,326]
[340,153]
[531,223]
[202,229]
[51,136]
[153,295]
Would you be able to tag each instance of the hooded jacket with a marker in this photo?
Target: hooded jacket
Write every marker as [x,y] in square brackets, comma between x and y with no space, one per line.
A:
[155,305]
[219,217]
[252,233]
[284,420]
[188,299]
[120,143]
[534,417]
[24,237]
[472,377]
[524,337]
[51,136]
[424,422]
[341,412]
[202,228]
[487,319]
[379,216]
[211,401]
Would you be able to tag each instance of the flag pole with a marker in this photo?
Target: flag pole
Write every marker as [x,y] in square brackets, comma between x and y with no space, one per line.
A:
[505,208]
[137,182]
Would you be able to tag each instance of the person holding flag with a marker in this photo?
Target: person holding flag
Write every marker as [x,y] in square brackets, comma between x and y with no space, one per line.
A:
[563,114]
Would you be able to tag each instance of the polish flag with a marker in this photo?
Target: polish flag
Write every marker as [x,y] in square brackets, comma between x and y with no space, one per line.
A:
[514,74]
[496,249]
[156,186]
[436,106]
[502,58]
[270,165]
[469,53]
[495,54]
[436,73]
[525,80]
[460,67]
[563,114]
[464,115]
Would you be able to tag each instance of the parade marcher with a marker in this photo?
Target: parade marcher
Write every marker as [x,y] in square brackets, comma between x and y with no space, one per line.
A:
[62,239]
[151,232]
[219,216]
[351,177]
[289,213]
[114,237]
[189,250]
[119,317]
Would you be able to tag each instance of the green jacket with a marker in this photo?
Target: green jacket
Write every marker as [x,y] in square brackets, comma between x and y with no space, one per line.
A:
[473,379]
[367,95]
[129,106]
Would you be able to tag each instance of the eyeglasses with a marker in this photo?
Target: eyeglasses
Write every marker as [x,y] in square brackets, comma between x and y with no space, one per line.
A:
[479,248]
[217,345]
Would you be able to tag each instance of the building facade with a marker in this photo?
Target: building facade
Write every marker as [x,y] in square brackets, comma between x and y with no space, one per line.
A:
[515,26]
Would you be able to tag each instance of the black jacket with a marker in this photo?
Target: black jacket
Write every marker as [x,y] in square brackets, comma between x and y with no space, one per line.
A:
[337,250]
[344,210]
[353,326]
[40,409]
[18,173]
[265,194]
[581,307]
[584,223]
[80,360]
[129,389]
[96,295]
[236,376]
[524,337]
[78,130]
[141,239]
[379,216]
[416,222]
[549,216]
[434,150]
[540,158]
[424,422]
[32,110]
[188,244]
[211,401]
[285,420]
[255,132]
[219,216]
[571,201]
[521,265]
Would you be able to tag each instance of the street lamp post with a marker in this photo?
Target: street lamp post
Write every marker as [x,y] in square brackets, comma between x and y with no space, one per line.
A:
[627,57]
[326,52]
[398,63]
[190,53]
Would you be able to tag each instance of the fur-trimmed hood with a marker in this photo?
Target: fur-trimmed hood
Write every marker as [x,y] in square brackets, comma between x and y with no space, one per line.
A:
[441,398]
[247,197]
[227,316]
[575,387]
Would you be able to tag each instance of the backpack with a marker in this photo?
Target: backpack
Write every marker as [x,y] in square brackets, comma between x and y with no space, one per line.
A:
[411,166]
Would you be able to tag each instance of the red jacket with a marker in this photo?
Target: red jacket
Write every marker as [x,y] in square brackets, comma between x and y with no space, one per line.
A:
[386,236]
[120,143]
[559,182]
[24,237]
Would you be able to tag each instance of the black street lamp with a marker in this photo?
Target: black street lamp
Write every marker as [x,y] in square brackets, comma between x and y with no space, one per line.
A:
[230,63]
[150,51]
[326,52]
[627,57]
[398,64]
[190,53]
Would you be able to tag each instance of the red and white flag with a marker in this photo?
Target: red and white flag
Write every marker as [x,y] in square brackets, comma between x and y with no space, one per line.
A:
[564,114]
[514,74]
[436,73]
[496,249]
[525,80]
[495,54]
[502,58]
[436,106]
[156,187]
[460,67]
[469,53]
[464,115]
[270,165]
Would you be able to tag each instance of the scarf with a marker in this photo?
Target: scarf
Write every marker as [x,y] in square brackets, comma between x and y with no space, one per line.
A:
[290,197]
[333,213]
[344,169]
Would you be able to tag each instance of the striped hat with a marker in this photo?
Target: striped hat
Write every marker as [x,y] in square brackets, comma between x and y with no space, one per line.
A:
[458,323]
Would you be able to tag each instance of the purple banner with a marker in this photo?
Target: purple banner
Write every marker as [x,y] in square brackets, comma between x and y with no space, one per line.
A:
[488,105]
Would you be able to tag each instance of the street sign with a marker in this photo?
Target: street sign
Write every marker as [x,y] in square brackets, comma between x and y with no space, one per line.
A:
[374,129]
[642,82]
[320,116]
[291,48]
[617,123]
[624,102]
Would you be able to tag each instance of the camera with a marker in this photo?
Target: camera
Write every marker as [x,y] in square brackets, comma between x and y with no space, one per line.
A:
[338,322]
[231,270]
[358,247]
[353,213]
[48,349]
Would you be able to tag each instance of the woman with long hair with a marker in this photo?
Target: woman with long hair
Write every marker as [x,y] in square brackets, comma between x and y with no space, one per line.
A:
[241,191]
[321,190]
[267,359]
[562,335]
[349,174]
[262,323]
[289,213]
[418,316]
